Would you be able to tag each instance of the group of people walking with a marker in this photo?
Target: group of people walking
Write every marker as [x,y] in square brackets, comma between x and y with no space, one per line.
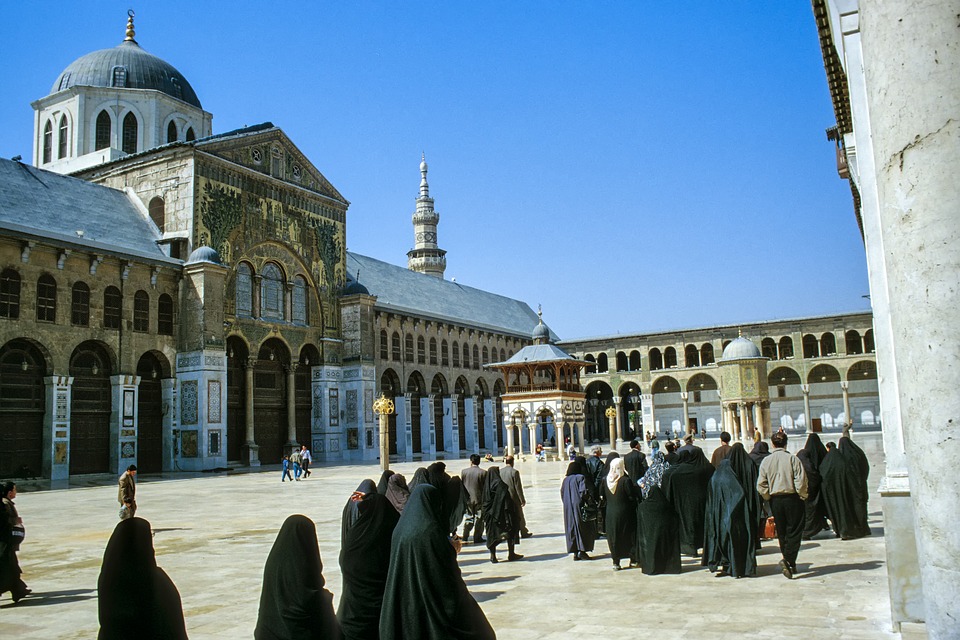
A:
[716,510]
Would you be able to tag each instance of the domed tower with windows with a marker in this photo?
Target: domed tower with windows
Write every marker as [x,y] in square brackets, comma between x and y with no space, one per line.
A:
[112,103]
[744,389]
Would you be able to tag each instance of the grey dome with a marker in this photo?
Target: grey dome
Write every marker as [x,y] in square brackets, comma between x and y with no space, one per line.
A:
[204,254]
[143,71]
[541,334]
[353,287]
[741,348]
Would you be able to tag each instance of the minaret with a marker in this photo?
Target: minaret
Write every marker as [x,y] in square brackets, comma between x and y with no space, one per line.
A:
[426,256]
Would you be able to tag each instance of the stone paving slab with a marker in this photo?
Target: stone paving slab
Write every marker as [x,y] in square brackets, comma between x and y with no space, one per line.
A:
[213,532]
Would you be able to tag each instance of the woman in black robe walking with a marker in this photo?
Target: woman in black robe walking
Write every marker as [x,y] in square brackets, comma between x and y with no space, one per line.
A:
[425,596]
[135,597]
[621,515]
[844,473]
[293,601]
[685,485]
[659,543]
[580,534]
[500,516]
[367,526]
[10,571]
[815,510]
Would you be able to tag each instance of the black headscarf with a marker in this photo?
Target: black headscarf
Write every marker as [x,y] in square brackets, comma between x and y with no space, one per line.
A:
[577,465]
[743,562]
[293,602]
[425,595]
[397,492]
[760,451]
[844,473]
[368,524]
[384,480]
[419,476]
[454,502]
[437,475]
[136,599]
[816,452]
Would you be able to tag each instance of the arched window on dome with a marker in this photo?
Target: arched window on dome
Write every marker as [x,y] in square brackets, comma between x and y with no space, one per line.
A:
[119,76]
[157,214]
[172,132]
[191,136]
[271,293]
[300,315]
[130,131]
[244,290]
[103,131]
[63,139]
[47,142]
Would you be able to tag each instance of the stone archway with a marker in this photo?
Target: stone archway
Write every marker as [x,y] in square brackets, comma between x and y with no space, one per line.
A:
[90,408]
[150,370]
[22,397]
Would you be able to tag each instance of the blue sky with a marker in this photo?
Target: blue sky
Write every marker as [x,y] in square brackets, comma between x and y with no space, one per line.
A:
[631,166]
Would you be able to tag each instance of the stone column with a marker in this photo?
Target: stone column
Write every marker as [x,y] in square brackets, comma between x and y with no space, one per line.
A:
[845,389]
[807,418]
[611,414]
[291,407]
[257,282]
[533,435]
[744,419]
[758,419]
[581,427]
[248,412]
[408,399]
[911,66]
[509,447]
[519,426]
[56,427]
[685,396]
[561,436]
[383,407]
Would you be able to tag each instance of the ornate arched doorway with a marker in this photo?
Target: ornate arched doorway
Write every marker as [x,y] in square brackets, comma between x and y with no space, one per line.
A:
[150,414]
[416,389]
[309,358]
[22,369]
[90,366]
[237,355]
[270,400]
[438,388]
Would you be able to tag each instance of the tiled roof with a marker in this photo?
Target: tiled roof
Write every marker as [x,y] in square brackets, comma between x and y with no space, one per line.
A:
[45,205]
[408,292]
[538,353]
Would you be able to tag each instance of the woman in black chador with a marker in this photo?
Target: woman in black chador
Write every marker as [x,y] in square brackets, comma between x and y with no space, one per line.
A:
[425,596]
[293,602]
[730,538]
[366,528]
[580,534]
[384,482]
[815,510]
[659,540]
[500,516]
[419,476]
[686,487]
[397,492]
[135,597]
[621,515]
[844,473]
[10,571]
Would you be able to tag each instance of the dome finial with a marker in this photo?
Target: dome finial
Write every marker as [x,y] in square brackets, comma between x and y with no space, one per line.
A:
[130,31]
[540,312]
[424,187]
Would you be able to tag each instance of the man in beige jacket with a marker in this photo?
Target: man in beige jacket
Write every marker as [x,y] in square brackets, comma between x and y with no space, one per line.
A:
[783,483]
[127,495]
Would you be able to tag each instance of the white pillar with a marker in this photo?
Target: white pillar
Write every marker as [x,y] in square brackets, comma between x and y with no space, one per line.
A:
[807,418]
[686,411]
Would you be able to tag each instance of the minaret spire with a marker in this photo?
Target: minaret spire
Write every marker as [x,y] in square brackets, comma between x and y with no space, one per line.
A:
[131,32]
[426,256]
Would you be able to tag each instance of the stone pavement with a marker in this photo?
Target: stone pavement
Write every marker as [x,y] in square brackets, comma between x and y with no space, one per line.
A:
[213,534]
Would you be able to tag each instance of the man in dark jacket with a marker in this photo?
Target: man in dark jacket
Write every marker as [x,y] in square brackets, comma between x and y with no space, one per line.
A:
[635,462]
[473,478]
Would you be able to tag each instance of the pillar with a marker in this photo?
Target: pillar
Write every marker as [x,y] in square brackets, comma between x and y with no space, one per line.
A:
[408,400]
[611,414]
[911,66]
[807,419]
[581,427]
[845,389]
[758,419]
[56,428]
[561,435]
[510,427]
[533,435]
[519,426]
[685,396]
[743,421]
[253,451]
[291,407]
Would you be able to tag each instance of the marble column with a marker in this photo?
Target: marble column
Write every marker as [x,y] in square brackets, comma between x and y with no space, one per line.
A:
[911,66]
[519,427]
[510,427]
[685,396]
[291,407]
[744,419]
[581,427]
[533,436]
[807,418]
[253,451]
[561,435]
[848,419]
[758,419]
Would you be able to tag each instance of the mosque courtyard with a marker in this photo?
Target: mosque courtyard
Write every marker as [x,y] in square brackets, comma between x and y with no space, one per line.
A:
[212,534]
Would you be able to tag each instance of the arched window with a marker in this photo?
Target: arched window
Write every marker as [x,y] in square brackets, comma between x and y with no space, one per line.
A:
[408,348]
[476,357]
[868,341]
[141,311]
[80,305]
[271,293]
[165,315]
[157,212]
[444,354]
[634,361]
[706,354]
[503,355]
[456,353]
[433,351]
[395,347]
[828,344]
[602,364]
[47,142]
[103,131]
[669,357]
[622,364]
[466,356]
[244,290]
[112,308]
[421,350]
[691,356]
[130,133]
[486,356]
[811,347]
[589,358]
[172,131]
[786,347]
[384,345]
[9,294]
[300,315]
[46,299]
[63,139]
[191,136]
[655,358]
[768,348]
[854,343]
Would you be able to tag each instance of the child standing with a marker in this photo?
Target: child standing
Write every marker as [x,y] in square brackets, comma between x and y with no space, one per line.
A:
[286,470]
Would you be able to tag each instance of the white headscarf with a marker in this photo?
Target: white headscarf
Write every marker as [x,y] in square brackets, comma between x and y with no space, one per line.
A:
[616,472]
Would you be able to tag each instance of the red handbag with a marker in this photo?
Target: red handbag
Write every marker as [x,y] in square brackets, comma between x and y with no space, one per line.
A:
[769,529]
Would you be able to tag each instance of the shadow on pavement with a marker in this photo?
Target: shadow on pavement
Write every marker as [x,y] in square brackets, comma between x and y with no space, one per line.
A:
[807,572]
[45,598]
[483,596]
[488,580]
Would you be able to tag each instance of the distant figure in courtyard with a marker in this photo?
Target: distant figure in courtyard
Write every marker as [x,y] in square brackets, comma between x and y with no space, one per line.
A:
[688,444]
[366,528]
[474,480]
[844,489]
[539,454]
[685,485]
[397,492]
[127,494]
[293,601]
[721,452]
[580,534]
[635,462]
[659,539]
[654,445]
[10,526]
[511,478]
[135,598]
[672,457]
[425,596]
[285,471]
[781,480]
[571,451]
[501,516]
[815,509]
[295,460]
[305,460]
[621,495]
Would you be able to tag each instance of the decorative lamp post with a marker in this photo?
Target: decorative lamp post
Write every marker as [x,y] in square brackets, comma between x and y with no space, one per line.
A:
[383,407]
[611,414]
